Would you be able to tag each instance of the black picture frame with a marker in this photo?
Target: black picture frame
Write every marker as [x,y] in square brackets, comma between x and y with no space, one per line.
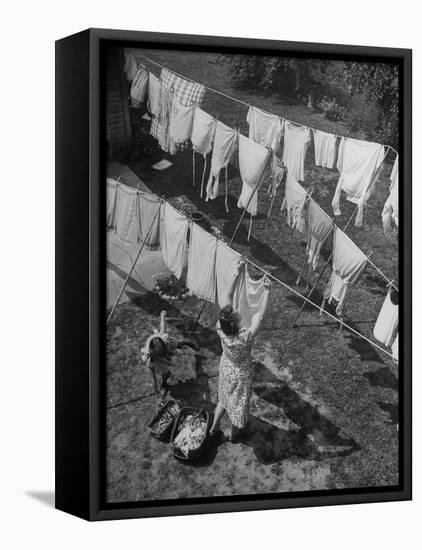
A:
[80,279]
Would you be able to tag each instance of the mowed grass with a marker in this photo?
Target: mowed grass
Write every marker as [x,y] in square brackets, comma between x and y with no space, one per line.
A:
[325,404]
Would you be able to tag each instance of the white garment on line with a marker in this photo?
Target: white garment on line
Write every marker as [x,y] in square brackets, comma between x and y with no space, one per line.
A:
[249,297]
[225,143]
[319,228]
[200,277]
[390,212]
[130,67]
[226,270]
[139,88]
[395,348]
[387,321]
[127,214]
[349,263]
[253,158]
[264,128]
[325,148]
[357,163]
[112,185]
[149,218]
[174,230]
[203,131]
[296,141]
[180,125]
[294,203]
[154,86]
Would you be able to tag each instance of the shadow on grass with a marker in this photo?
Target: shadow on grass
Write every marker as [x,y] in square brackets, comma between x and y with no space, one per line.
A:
[390,409]
[363,348]
[382,377]
[316,439]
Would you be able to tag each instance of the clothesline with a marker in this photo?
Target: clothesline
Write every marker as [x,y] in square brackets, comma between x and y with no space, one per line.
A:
[342,323]
[387,279]
[247,104]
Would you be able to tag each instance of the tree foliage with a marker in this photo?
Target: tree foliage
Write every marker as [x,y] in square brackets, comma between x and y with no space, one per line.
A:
[329,86]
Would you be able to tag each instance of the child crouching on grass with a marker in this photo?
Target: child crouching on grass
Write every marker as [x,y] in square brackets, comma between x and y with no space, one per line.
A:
[157,353]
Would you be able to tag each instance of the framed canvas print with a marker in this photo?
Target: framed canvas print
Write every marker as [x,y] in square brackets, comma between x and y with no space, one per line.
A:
[233,281]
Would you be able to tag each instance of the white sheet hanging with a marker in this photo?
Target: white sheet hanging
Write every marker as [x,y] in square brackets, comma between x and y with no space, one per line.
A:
[226,270]
[225,144]
[390,212]
[174,230]
[296,141]
[264,128]
[294,203]
[349,263]
[357,163]
[200,277]
[253,159]
[249,297]
[325,148]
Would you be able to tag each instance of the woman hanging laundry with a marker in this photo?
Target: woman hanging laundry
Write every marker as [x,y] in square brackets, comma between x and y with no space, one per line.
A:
[235,373]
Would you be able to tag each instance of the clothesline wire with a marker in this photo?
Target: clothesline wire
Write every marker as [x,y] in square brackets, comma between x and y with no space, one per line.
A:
[161,65]
[345,325]
[247,105]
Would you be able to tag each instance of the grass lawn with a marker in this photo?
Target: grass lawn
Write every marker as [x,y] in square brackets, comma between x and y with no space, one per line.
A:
[325,403]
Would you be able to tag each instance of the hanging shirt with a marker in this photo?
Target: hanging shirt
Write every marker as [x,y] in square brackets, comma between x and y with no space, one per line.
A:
[127,214]
[225,143]
[226,270]
[387,321]
[185,92]
[154,87]
[200,277]
[174,230]
[325,149]
[264,128]
[296,141]
[111,202]
[395,348]
[294,204]
[149,206]
[130,67]
[180,126]
[139,88]
[357,163]
[349,263]
[160,125]
[203,131]
[390,212]
[319,227]
[249,297]
[253,159]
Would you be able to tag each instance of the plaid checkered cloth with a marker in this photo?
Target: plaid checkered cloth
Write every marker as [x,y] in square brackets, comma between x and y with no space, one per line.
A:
[186,92]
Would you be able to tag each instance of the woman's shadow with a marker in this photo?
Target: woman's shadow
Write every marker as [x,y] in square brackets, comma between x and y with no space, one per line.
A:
[314,438]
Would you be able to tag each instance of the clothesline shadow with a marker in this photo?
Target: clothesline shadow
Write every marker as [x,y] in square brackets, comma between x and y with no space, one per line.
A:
[363,348]
[317,438]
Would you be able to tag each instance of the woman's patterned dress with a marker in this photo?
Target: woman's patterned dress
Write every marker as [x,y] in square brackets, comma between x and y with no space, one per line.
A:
[235,375]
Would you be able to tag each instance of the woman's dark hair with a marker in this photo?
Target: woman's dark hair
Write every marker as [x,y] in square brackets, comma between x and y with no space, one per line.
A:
[158,348]
[228,321]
